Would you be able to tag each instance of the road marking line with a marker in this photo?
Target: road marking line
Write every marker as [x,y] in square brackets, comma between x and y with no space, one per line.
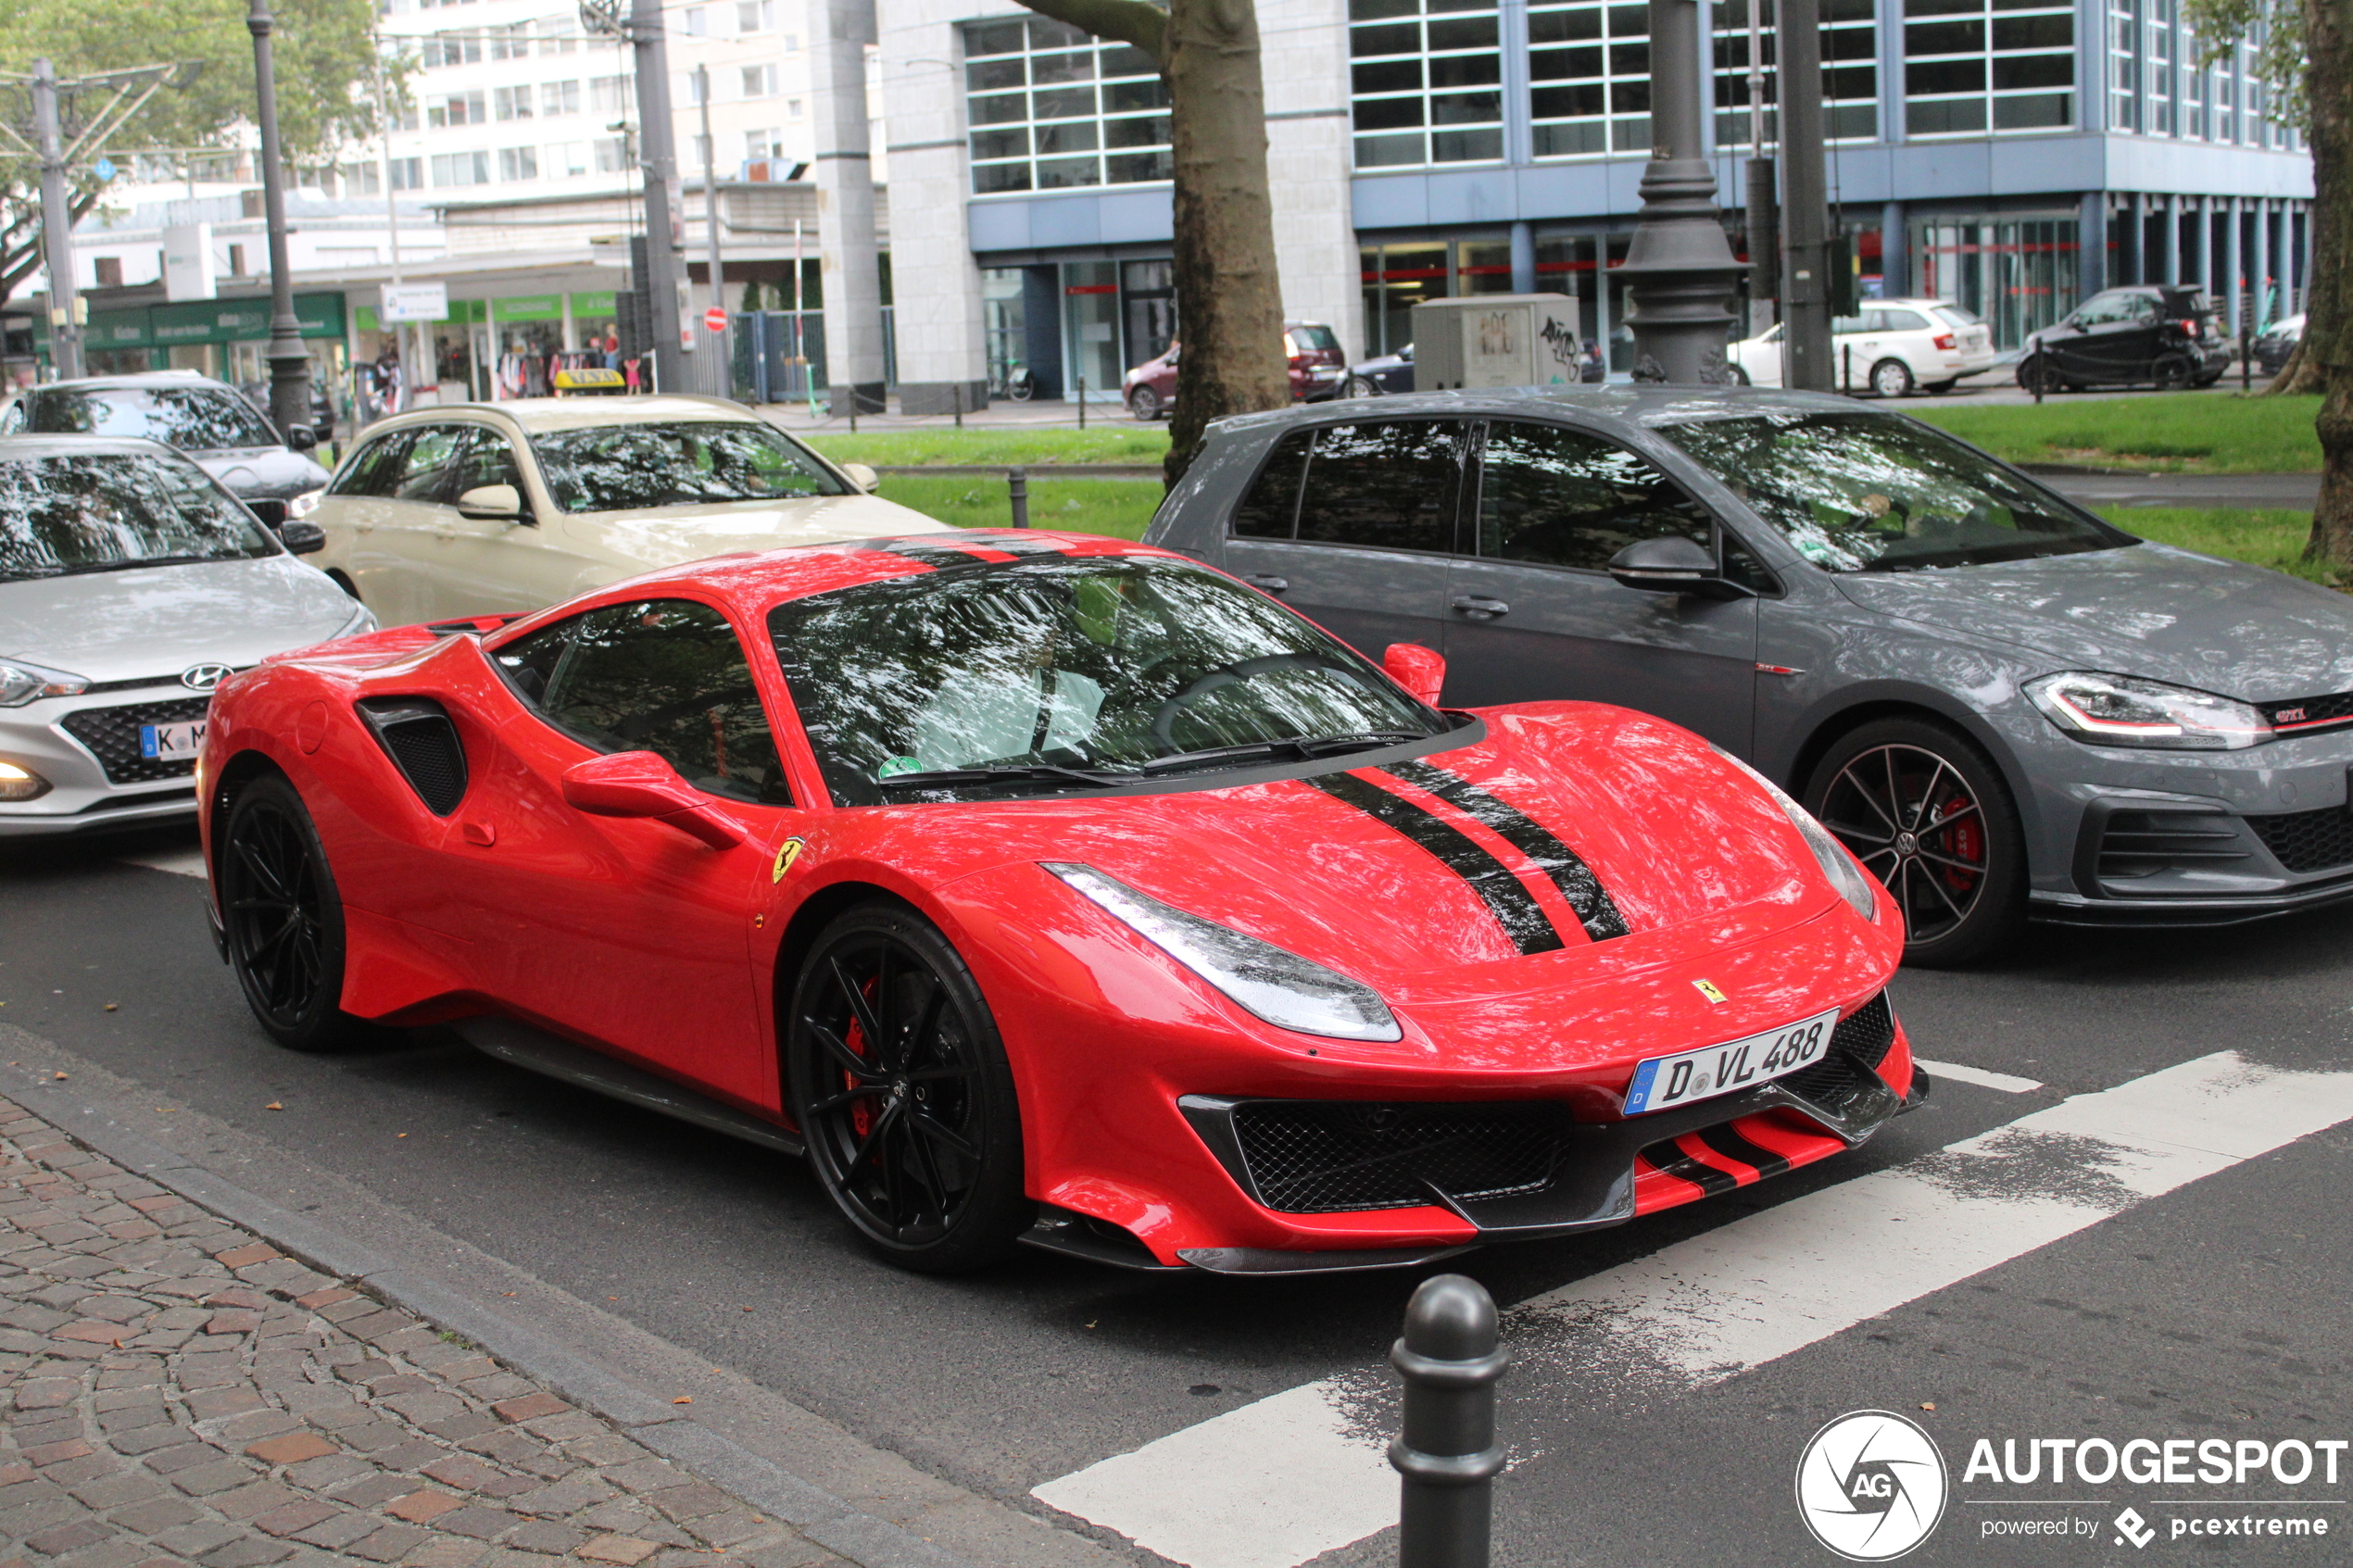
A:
[1275,1483]
[1980,1077]
[181,863]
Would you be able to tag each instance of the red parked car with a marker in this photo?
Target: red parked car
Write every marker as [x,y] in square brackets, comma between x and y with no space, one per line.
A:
[1318,367]
[1051,888]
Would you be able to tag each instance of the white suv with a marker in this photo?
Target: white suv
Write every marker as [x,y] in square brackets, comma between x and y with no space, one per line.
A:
[1892,346]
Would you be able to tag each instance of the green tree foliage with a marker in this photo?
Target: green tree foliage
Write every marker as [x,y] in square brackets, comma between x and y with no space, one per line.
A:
[325,57]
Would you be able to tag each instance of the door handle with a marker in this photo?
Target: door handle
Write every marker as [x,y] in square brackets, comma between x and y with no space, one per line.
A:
[1481,608]
[1271,584]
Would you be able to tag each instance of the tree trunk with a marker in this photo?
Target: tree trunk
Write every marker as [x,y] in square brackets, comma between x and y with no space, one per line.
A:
[2300,374]
[1230,301]
[2328,327]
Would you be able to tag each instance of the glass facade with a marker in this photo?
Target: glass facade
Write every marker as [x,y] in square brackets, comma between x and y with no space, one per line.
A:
[1427,80]
[2020,273]
[1850,71]
[1589,74]
[1972,67]
[1052,109]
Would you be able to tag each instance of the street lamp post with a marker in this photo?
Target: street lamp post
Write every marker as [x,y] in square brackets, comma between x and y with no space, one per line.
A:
[1680,268]
[289,363]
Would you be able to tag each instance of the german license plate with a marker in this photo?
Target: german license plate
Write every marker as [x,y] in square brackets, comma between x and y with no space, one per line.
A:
[1737,1064]
[172,743]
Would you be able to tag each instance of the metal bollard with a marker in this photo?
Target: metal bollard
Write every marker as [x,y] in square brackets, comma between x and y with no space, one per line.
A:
[1017,481]
[960,405]
[1447,1456]
[1082,402]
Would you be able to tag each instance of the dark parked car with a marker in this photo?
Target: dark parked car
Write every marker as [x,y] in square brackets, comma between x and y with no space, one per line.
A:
[2278,342]
[1381,375]
[210,420]
[2004,705]
[322,408]
[1313,349]
[2164,335]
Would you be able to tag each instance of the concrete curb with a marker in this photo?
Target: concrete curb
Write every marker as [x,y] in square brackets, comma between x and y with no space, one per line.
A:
[816,1513]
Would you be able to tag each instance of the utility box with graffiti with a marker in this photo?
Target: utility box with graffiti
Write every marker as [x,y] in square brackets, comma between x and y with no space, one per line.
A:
[1495,340]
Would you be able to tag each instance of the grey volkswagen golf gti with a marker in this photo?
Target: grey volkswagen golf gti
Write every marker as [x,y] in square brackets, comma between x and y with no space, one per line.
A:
[2005,707]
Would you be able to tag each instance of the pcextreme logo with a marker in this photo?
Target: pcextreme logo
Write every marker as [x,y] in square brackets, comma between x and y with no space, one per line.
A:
[1871,1486]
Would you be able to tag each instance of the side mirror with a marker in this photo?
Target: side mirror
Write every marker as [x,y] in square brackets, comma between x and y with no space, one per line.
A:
[1673,565]
[1422,672]
[492,501]
[302,438]
[639,784]
[302,538]
[859,474]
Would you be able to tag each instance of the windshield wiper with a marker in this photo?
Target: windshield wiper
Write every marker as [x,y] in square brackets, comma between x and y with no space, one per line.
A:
[136,565]
[1304,748]
[941,778]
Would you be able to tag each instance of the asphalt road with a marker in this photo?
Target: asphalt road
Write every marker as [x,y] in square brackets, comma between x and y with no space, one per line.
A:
[2036,1295]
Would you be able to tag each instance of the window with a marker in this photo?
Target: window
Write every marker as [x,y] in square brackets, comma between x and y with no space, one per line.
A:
[460,169]
[694,21]
[1589,68]
[487,459]
[425,467]
[1850,71]
[108,270]
[365,179]
[519,163]
[1561,497]
[192,418]
[1972,65]
[87,511]
[792,109]
[376,470]
[558,34]
[1897,321]
[511,43]
[510,103]
[613,95]
[755,16]
[237,261]
[408,174]
[459,109]
[611,154]
[568,161]
[1053,109]
[764,143]
[688,88]
[760,81]
[559,98]
[1389,484]
[660,675]
[1426,88]
[452,49]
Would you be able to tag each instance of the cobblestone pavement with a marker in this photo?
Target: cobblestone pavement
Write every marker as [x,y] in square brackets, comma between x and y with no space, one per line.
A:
[177,1391]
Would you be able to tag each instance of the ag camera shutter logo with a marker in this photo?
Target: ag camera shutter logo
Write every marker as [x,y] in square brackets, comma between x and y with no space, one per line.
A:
[1871,1486]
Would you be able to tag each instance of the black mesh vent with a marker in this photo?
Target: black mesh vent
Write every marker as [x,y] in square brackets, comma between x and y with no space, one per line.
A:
[2139,843]
[2308,841]
[112,736]
[420,739]
[2312,712]
[1310,1157]
[1859,1044]
[1868,1032]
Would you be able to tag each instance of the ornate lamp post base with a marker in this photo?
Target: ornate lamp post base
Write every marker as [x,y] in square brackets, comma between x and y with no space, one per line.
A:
[1679,269]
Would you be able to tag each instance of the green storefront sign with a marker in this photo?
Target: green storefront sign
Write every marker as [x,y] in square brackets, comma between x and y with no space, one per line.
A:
[195,321]
[592,306]
[536,308]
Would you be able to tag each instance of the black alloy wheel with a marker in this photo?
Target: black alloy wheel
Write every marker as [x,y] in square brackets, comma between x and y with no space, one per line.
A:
[1144,403]
[2171,373]
[900,1087]
[1892,377]
[1930,816]
[2035,374]
[283,918]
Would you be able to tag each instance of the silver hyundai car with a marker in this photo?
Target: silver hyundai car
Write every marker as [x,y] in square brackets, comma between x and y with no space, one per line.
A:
[130,583]
[2006,707]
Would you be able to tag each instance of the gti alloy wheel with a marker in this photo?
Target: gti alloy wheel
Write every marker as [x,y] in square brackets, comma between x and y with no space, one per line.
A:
[903,1096]
[1144,403]
[283,918]
[1928,815]
[1892,377]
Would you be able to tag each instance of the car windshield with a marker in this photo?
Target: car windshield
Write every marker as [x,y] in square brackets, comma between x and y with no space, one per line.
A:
[1954,316]
[193,418]
[1042,675]
[1313,339]
[1864,492]
[628,467]
[60,516]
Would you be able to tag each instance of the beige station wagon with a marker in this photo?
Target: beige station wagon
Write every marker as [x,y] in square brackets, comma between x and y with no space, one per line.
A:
[494,509]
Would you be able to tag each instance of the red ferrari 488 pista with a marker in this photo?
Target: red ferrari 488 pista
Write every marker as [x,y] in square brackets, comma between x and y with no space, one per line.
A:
[1056,889]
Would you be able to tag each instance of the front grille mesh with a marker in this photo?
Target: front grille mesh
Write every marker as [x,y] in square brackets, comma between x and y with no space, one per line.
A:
[112,736]
[1311,1157]
[2308,841]
[2336,708]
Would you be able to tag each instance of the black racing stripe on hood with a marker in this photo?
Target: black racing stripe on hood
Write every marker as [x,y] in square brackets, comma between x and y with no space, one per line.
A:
[1595,910]
[1015,545]
[1731,1145]
[1669,1159]
[1514,908]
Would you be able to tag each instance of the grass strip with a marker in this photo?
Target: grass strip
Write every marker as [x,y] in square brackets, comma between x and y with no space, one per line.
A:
[1116,506]
[1123,441]
[2266,538]
[2175,433]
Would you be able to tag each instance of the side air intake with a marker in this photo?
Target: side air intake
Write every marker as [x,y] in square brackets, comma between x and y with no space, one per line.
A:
[416,735]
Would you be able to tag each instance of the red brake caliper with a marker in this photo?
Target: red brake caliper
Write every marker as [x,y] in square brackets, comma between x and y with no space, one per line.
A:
[862,1115]
[1964,840]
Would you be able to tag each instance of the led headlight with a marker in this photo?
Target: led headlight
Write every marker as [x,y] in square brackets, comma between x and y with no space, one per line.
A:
[21,683]
[1853,883]
[305,503]
[2127,710]
[1279,987]
[362,622]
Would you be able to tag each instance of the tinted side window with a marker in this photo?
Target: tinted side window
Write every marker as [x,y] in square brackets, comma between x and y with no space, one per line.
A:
[1391,484]
[1562,498]
[433,452]
[376,472]
[487,459]
[1903,321]
[2104,309]
[660,675]
[1841,325]
[1271,509]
